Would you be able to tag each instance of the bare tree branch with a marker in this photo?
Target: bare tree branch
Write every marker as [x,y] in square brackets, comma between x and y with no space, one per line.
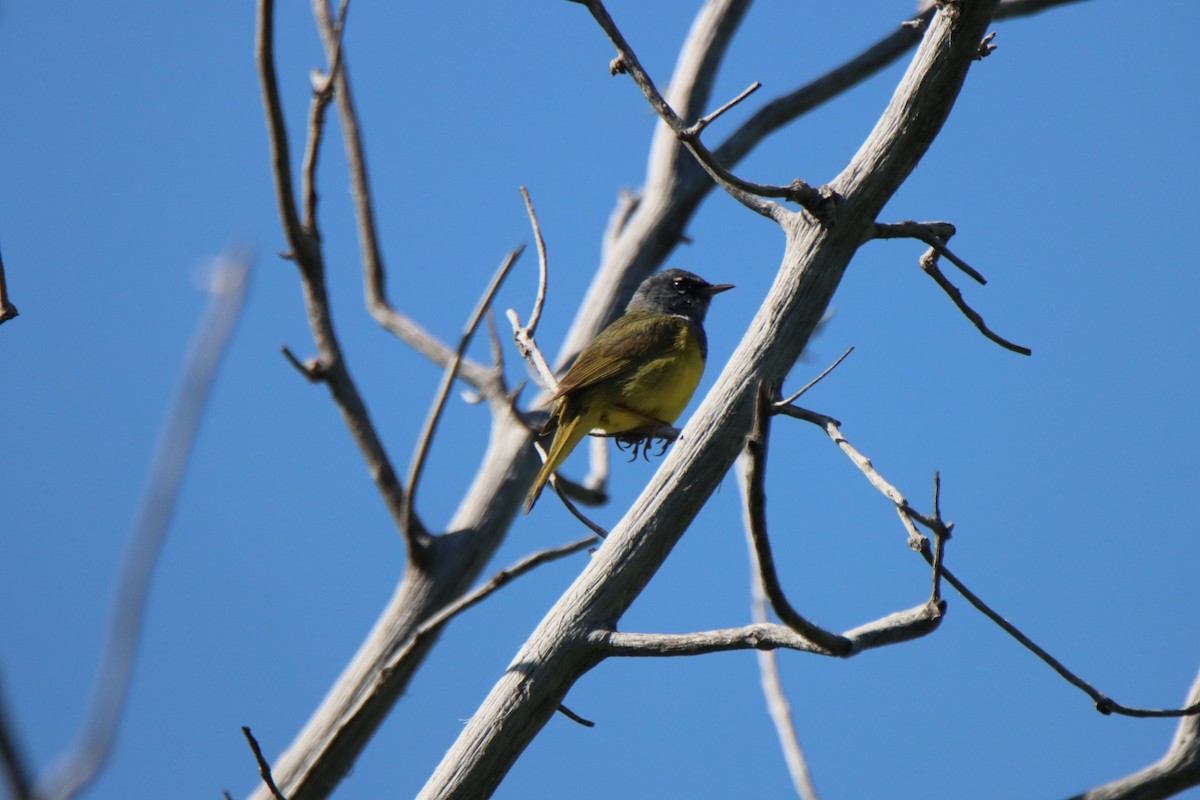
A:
[83,761]
[1104,704]
[439,404]
[374,272]
[794,397]
[535,316]
[777,703]
[264,766]
[755,458]
[526,696]
[748,194]
[930,267]
[903,626]
[1177,770]
[330,366]
[322,94]
[934,234]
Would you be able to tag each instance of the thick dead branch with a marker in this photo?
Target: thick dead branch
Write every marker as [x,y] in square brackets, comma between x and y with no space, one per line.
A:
[1176,771]
[558,652]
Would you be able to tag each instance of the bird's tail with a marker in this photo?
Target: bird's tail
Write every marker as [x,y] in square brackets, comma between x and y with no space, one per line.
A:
[565,438]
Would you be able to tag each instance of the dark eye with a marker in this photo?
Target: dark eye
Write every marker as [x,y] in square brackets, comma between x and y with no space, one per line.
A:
[678,283]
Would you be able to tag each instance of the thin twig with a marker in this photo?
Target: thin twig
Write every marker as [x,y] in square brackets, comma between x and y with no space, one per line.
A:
[322,94]
[473,598]
[439,403]
[83,761]
[1177,770]
[756,524]
[705,121]
[908,514]
[929,265]
[579,515]
[7,309]
[529,350]
[748,194]
[934,234]
[264,767]
[817,379]
[305,250]
[768,666]
[571,715]
[535,316]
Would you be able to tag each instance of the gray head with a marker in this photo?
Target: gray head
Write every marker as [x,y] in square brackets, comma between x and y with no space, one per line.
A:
[678,292]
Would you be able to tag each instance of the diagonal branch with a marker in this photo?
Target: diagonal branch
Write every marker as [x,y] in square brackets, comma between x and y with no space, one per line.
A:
[930,267]
[748,194]
[87,756]
[439,404]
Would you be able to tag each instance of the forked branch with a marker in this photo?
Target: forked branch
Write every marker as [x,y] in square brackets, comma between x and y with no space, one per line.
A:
[910,517]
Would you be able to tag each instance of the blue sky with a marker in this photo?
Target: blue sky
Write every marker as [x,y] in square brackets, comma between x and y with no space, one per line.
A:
[132,150]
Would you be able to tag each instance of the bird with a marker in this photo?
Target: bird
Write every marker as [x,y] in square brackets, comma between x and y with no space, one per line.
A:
[638,374]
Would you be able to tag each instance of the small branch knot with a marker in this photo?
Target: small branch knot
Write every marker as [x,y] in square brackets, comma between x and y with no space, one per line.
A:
[618,66]
[986,48]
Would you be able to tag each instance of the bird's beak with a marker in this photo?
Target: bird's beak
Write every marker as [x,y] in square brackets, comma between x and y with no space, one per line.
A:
[720,287]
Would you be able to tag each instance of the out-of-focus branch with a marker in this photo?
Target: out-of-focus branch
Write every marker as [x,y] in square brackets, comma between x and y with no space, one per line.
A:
[13,765]
[86,757]
[1177,770]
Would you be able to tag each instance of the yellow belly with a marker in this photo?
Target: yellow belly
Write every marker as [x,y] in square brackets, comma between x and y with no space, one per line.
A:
[659,389]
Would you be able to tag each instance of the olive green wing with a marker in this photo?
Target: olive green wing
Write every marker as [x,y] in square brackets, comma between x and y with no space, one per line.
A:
[635,338]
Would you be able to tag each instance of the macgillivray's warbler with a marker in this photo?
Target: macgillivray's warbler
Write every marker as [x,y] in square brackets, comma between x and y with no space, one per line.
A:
[639,373]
